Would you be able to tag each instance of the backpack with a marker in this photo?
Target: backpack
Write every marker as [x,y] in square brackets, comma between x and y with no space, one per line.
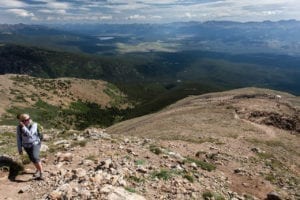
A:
[39,131]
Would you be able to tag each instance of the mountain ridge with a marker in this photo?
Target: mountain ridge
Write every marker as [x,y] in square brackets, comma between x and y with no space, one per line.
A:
[222,98]
[56,102]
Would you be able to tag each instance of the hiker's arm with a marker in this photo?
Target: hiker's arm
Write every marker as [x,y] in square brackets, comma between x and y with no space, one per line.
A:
[19,140]
[30,132]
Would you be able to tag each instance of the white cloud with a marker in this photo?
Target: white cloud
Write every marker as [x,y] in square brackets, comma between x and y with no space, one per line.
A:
[58,5]
[152,11]
[137,17]
[189,15]
[156,17]
[20,12]
[34,18]
[78,18]
[12,4]
[48,11]
[270,12]
[107,17]
[128,7]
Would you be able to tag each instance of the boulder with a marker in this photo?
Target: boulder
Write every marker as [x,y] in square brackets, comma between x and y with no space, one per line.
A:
[44,148]
[273,196]
[119,193]
[61,157]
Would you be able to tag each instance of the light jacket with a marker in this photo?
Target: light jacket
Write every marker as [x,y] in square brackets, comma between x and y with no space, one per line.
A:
[27,136]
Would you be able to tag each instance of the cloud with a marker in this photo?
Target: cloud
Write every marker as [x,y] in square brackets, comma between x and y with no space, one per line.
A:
[20,12]
[136,17]
[128,11]
[156,17]
[58,5]
[12,4]
[107,17]
[80,18]
[48,11]
[189,15]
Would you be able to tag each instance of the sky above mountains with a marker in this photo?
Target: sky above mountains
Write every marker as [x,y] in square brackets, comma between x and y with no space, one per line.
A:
[145,11]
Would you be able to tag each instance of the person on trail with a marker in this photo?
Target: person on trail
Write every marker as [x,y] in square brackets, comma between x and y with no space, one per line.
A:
[27,137]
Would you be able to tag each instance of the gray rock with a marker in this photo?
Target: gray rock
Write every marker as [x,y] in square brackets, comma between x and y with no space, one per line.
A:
[96,133]
[55,195]
[178,167]
[239,171]
[80,138]
[105,164]
[66,190]
[46,137]
[193,165]
[256,150]
[44,148]
[25,189]
[119,193]
[64,157]
[61,142]
[84,194]
[87,162]
[176,155]
[273,196]
[141,169]
[79,172]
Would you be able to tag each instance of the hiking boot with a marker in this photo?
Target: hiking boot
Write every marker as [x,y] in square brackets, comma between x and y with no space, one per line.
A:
[40,177]
[36,174]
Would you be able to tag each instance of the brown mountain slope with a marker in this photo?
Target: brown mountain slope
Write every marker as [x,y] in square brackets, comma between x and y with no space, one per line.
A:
[21,92]
[220,114]
[241,144]
[257,129]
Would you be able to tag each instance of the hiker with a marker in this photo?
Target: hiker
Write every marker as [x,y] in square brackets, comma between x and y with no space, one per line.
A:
[28,138]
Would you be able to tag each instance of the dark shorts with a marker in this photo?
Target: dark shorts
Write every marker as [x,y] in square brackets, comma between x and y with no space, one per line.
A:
[34,153]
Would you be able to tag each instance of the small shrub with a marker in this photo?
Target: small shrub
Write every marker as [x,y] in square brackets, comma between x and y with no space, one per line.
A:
[275,164]
[207,195]
[212,195]
[199,153]
[189,177]
[139,162]
[25,159]
[202,164]
[248,197]
[91,157]
[136,179]
[162,174]
[265,155]
[155,149]
[130,189]
[82,143]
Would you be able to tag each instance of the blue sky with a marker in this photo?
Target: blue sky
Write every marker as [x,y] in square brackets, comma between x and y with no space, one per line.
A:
[145,11]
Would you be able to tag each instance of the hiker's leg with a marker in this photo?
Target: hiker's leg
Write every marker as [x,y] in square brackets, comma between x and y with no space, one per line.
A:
[29,151]
[38,166]
[36,157]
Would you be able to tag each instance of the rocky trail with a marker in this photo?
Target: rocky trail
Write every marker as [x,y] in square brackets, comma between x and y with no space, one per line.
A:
[119,167]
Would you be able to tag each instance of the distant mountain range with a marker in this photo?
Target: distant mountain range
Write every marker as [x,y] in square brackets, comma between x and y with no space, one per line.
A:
[157,64]
[280,37]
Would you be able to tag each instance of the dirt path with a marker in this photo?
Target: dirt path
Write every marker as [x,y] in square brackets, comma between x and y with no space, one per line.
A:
[11,190]
[267,130]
